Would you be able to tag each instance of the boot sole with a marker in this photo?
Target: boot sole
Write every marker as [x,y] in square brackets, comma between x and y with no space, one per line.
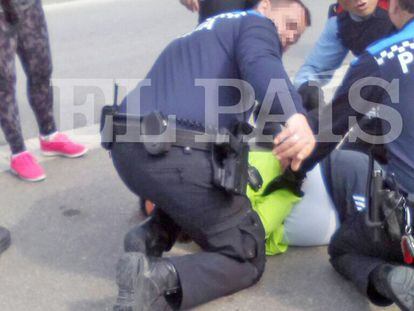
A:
[132,283]
[135,289]
[127,279]
[401,282]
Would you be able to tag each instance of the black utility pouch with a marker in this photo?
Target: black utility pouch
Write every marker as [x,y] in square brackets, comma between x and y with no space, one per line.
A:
[108,114]
[157,138]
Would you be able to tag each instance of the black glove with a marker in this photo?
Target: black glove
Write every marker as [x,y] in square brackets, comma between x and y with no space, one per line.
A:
[310,95]
[288,180]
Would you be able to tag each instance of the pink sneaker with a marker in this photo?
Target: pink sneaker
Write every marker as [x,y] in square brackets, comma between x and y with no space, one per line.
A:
[61,145]
[25,166]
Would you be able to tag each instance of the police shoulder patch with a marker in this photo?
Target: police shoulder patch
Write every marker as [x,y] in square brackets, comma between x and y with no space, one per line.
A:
[392,46]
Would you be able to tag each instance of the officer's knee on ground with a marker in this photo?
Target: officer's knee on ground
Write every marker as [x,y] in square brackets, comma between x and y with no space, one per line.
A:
[253,235]
[148,238]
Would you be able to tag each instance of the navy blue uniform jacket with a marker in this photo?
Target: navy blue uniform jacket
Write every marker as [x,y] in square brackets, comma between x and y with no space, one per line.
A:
[239,45]
[388,60]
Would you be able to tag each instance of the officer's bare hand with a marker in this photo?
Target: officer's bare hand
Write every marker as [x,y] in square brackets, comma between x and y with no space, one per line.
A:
[296,142]
[192,5]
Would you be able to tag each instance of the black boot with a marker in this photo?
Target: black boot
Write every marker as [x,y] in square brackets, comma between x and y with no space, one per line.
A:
[152,237]
[5,239]
[148,238]
[147,284]
[395,283]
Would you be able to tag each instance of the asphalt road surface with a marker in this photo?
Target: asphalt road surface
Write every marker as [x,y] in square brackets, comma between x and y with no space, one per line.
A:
[68,230]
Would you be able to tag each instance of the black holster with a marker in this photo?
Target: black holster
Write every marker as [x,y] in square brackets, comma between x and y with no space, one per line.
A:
[387,207]
[108,114]
[230,161]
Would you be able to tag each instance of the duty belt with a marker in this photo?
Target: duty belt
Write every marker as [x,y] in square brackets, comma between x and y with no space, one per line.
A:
[183,137]
[123,128]
[229,154]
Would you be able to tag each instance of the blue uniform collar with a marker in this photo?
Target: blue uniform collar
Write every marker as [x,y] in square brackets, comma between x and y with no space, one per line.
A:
[409,25]
[405,33]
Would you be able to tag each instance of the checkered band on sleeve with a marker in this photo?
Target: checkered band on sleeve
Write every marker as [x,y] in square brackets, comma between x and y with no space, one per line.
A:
[394,51]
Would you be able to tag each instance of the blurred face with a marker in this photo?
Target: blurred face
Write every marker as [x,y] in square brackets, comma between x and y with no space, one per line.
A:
[359,7]
[399,17]
[289,18]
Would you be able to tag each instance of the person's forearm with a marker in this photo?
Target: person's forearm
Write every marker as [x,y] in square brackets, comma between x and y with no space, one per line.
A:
[326,56]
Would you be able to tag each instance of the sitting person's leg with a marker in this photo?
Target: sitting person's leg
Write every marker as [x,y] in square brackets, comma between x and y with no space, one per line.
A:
[336,187]
[287,219]
[275,207]
[314,220]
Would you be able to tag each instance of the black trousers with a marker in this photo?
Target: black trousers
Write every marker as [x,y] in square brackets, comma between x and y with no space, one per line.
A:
[223,225]
[354,254]
[346,177]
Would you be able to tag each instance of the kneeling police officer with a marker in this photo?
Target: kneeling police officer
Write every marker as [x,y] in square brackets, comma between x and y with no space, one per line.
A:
[199,186]
[374,248]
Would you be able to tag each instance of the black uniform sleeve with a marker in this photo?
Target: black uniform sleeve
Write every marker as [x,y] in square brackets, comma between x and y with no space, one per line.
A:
[363,70]
[258,53]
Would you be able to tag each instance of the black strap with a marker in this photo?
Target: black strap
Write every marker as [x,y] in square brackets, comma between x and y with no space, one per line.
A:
[288,180]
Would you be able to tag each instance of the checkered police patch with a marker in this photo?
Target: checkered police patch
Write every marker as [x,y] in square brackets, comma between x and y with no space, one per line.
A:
[394,51]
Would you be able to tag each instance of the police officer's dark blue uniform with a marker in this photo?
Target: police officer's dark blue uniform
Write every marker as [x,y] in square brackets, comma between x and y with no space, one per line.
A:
[383,60]
[353,251]
[239,45]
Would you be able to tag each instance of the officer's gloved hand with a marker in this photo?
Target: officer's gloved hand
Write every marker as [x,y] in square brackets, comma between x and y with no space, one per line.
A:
[289,180]
[309,91]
